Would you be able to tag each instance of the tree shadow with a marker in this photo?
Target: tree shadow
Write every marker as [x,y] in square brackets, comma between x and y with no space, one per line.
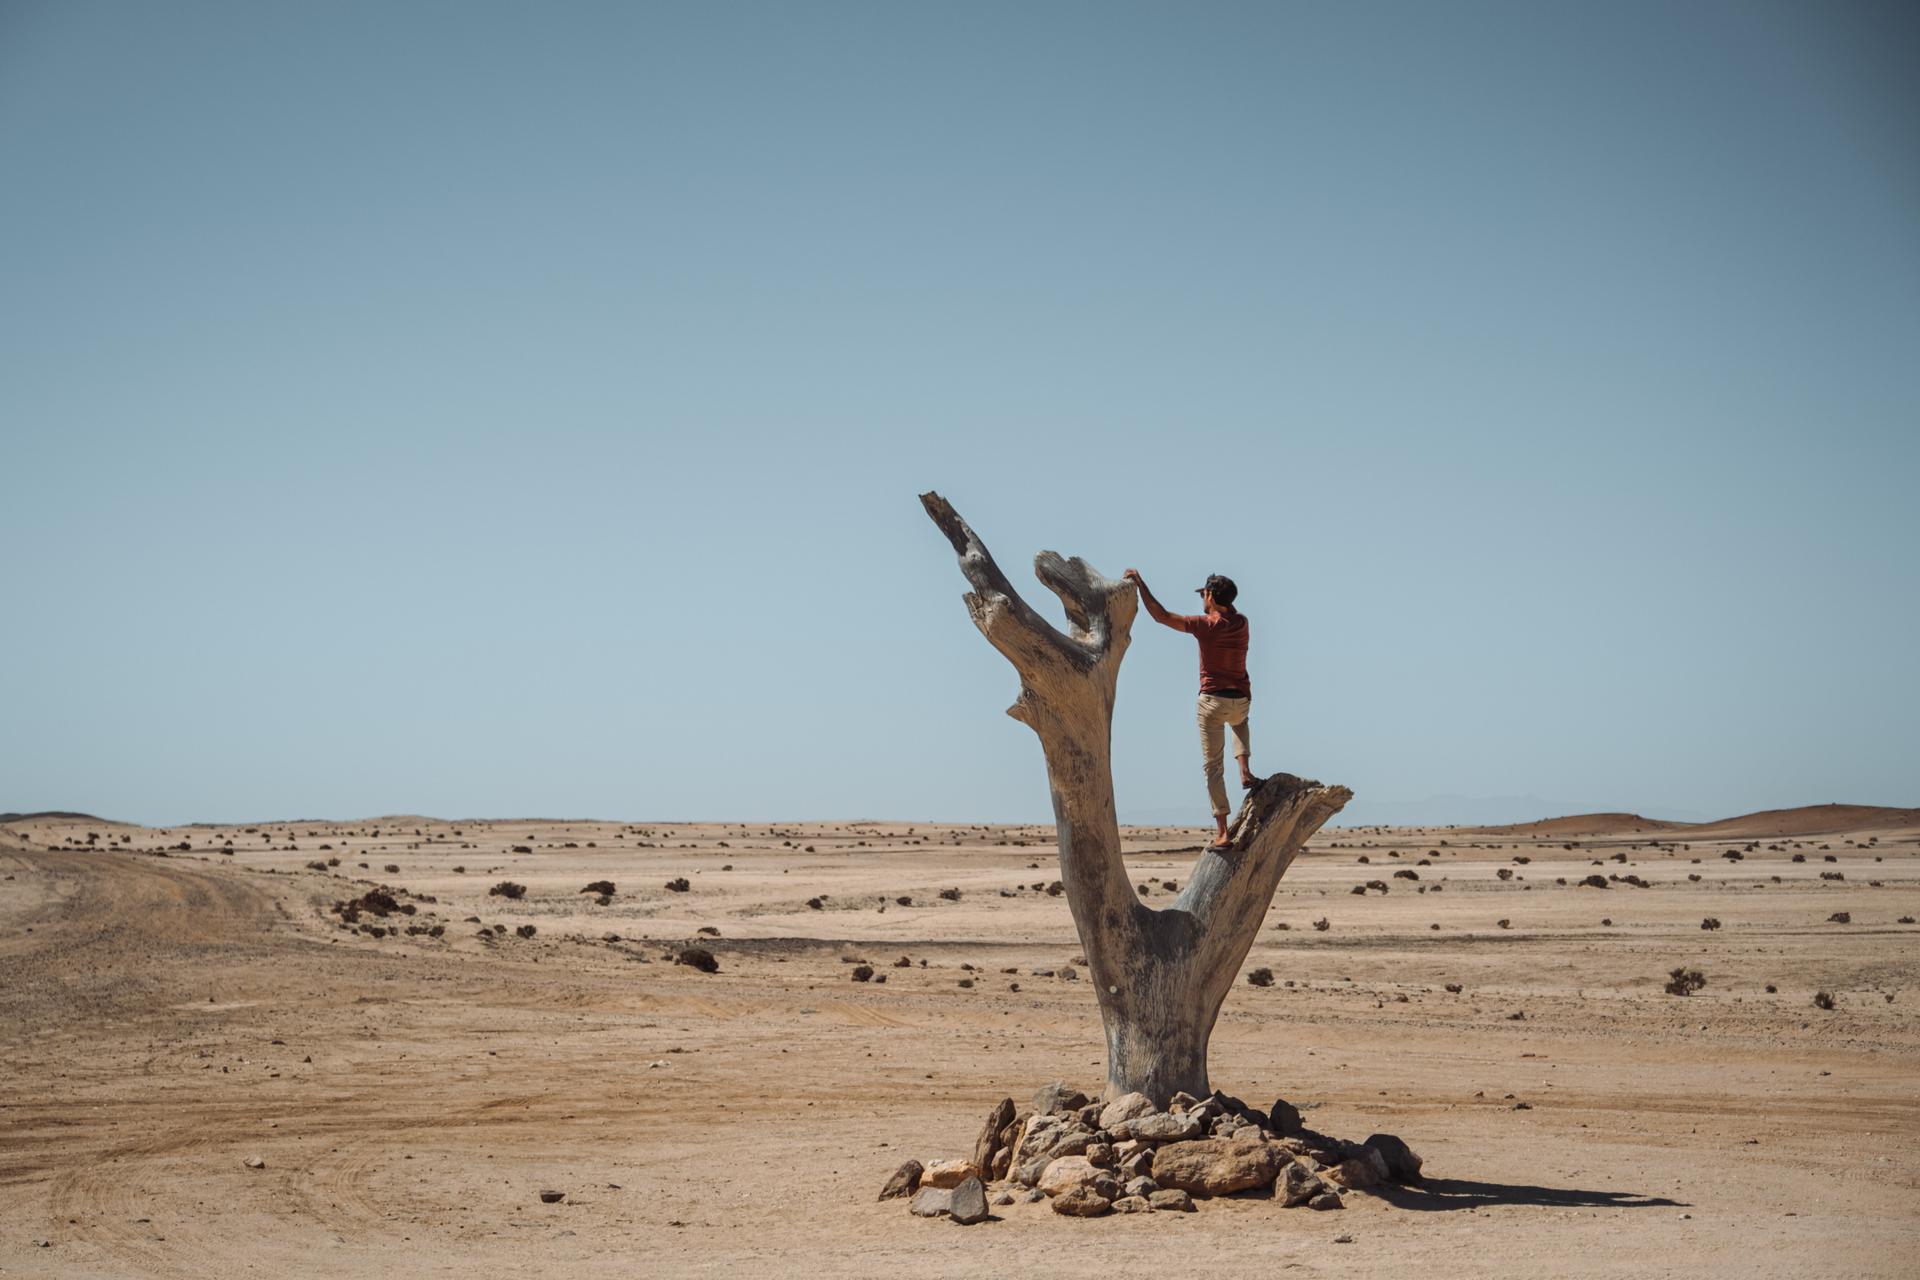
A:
[1441,1194]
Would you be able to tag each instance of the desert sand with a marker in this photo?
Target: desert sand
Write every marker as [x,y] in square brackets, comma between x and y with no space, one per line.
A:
[180,1006]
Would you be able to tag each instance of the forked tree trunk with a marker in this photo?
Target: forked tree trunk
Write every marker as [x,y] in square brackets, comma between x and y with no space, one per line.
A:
[1160,976]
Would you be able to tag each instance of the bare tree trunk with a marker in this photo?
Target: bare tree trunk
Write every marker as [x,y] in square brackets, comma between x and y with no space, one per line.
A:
[1160,976]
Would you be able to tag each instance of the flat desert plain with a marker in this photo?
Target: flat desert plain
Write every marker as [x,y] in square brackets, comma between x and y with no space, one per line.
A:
[205,1072]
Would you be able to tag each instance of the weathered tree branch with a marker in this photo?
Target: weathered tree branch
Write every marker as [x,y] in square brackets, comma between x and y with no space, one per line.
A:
[1160,976]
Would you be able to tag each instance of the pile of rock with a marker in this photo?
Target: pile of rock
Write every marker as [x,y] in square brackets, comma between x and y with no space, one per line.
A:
[1127,1156]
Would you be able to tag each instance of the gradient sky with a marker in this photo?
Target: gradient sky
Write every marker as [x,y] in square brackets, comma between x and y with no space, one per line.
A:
[518,409]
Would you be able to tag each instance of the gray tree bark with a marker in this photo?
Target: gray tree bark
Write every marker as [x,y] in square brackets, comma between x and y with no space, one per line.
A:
[1160,975]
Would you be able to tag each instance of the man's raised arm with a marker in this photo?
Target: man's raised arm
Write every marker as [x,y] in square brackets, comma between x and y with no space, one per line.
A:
[1154,609]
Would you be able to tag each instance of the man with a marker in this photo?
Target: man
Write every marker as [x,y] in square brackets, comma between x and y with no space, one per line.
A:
[1225,691]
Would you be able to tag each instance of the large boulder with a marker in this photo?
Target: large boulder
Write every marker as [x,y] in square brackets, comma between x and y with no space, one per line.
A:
[987,1145]
[968,1202]
[948,1173]
[1058,1096]
[1218,1166]
[1128,1106]
[1068,1172]
[904,1182]
[1402,1164]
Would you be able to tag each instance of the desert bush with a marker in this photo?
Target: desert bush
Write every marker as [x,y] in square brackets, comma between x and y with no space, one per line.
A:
[1261,977]
[862,973]
[679,884]
[507,889]
[601,887]
[1683,981]
[1823,999]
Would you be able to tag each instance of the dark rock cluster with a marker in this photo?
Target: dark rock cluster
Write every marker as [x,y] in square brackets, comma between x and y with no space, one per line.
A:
[1089,1158]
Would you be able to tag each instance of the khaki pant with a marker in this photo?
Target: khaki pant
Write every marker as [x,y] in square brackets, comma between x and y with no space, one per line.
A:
[1214,714]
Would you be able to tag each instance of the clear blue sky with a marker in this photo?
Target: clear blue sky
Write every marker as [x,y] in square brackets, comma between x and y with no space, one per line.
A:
[499,409]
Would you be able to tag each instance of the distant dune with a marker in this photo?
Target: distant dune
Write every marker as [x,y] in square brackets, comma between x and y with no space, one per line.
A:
[1808,820]
[57,815]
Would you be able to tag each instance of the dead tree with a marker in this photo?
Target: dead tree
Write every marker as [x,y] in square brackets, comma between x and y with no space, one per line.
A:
[1160,976]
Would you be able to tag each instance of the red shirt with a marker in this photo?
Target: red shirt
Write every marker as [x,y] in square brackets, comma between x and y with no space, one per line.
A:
[1223,649]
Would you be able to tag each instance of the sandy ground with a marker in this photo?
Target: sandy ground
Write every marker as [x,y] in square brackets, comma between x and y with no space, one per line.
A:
[165,1018]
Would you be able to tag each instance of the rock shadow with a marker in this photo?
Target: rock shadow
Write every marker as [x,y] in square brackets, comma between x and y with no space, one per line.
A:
[1442,1194]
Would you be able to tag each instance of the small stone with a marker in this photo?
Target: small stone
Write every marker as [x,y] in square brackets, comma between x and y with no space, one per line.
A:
[1296,1185]
[1056,1097]
[948,1173]
[968,1204]
[1284,1118]
[988,1144]
[552,1197]
[1343,1239]
[254,1162]
[1128,1106]
[931,1202]
[1141,1186]
[1163,1127]
[904,1182]
[1003,1197]
[1081,1202]
[1171,1199]
[1181,1102]
[1402,1164]
[1132,1204]
[1033,1195]
[1325,1200]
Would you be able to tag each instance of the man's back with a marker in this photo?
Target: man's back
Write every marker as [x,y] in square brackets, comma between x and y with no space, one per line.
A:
[1223,650]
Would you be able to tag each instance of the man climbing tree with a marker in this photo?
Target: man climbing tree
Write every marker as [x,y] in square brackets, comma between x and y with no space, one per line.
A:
[1225,691]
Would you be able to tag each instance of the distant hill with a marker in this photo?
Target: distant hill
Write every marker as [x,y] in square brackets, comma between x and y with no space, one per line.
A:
[58,815]
[1808,820]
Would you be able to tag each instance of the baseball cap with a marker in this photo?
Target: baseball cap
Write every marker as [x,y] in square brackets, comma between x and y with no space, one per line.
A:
[1222,587]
